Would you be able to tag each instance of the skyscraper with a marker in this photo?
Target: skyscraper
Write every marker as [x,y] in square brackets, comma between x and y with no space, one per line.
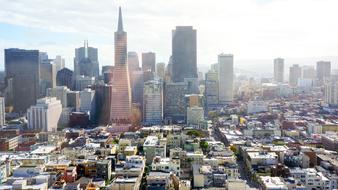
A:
[148,61]
[160,70]
[148,66]
[121,96]
[331,93]
[308,72]
[323,70]
[47,74]
[60,93]
[278,70]
[23,69]
[2,111]
[59,63]
[294,75]
[153,102]
[174,109]
[211,90]
[86,61]
[225,78]
[184,53]
[103,103]
[133,61]
[64,77]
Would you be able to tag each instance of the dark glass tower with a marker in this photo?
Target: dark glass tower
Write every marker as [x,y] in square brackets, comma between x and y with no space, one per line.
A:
[184,56]
[23,70]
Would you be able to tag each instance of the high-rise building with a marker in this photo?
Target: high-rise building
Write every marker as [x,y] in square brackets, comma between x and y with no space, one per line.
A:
[65,77]
[86,61]
[107,73]
[82,82]
[2,111]
[294,75]
[103,95]
[23,70]
[73,100]
[133,61]
[59,63]
[153,103]
[225,78]
[121,96]
[60,93]
[278,70]
[211,90]
[148,66]
[47,74]
[195,115]
[45,115]
[323,70]
[160,70]
[331,93]
[308,72]
[88,102]
[137,86]
[148,62]
[184,53]
[174,109]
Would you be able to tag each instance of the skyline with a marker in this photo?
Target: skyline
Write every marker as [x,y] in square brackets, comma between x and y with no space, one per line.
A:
[243,33]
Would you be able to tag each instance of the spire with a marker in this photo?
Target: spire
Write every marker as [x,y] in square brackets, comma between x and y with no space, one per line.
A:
[120,24]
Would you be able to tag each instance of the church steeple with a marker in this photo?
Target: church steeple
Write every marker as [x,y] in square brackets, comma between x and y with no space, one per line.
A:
[120,24]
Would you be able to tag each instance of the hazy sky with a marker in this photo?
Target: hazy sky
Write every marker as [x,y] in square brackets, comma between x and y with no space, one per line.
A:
[249,29]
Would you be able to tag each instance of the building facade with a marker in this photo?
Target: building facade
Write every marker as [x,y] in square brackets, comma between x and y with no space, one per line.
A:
[86,61]
[323,70]
[60,93]
[278,70]
[121,95]
[44,116]
[23,70]
[294,75]
[153,103]
[65,77]
[184,53]
[225,78]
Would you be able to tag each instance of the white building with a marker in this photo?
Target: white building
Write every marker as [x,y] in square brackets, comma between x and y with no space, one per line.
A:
[87,102]
[273,183]
[225,77]
[312,179]
[153,102]
[45,114]
[60,92]
[166,165]
[331,93]
[2,111]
